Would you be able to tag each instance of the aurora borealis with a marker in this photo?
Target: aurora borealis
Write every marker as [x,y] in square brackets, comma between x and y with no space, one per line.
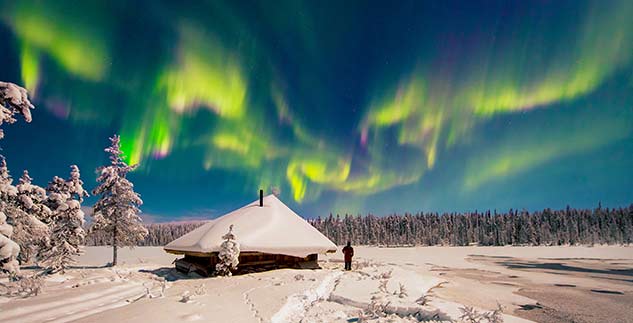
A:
[343,106]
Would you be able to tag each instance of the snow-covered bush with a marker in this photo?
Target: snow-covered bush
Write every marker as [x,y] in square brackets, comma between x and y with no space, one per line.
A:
[472,315]
[382,286]
[383,275]
[67,231]
[376,309]
[116,213]
[402,293]
[228,255]
[24,286]
[422,300]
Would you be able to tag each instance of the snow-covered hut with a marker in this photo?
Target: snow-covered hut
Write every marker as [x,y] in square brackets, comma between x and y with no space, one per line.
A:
[270,235]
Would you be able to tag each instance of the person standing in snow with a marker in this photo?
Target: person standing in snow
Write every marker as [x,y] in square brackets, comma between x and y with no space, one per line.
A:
[348,251]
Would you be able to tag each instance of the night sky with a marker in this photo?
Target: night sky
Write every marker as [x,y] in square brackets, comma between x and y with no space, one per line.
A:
[341,106]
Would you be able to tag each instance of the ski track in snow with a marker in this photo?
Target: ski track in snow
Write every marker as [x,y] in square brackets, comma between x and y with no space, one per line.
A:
[74,308]
[298,304]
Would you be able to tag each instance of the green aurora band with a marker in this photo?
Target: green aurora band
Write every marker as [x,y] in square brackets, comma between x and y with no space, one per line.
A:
[215,97]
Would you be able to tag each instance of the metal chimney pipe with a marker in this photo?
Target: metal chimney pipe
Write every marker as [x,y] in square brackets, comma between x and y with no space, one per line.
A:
[261,198]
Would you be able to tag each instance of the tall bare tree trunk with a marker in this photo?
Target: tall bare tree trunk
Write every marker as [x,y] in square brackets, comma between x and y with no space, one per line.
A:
[114,247]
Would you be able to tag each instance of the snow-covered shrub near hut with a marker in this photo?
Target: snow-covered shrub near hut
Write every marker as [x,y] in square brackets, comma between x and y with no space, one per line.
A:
[116,213]
[67,231]
[228,255]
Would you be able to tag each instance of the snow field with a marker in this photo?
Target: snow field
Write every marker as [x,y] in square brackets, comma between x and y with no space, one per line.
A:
[78,295]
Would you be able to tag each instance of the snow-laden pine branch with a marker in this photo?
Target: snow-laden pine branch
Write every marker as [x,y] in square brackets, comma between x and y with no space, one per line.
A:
[13,100]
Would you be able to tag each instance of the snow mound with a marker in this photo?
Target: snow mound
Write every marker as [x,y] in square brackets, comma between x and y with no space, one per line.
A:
[298,304]
[386,282]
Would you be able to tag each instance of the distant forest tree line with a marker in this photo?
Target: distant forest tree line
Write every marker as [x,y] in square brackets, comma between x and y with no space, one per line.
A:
[158,234]
[548,227]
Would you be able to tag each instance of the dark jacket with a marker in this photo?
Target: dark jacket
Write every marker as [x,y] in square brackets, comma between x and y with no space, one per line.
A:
[348,251]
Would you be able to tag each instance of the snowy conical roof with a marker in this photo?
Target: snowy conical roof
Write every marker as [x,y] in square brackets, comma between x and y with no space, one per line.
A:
[273,228]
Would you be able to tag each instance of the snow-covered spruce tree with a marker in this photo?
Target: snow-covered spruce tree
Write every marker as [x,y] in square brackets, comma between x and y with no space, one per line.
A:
[229,254]
[13,100]
[9,247]
[67,231]
[57,194]
[30,233]
[116,213]
[76,185]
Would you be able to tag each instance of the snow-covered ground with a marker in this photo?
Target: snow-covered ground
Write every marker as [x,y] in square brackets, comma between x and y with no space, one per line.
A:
[554,284]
